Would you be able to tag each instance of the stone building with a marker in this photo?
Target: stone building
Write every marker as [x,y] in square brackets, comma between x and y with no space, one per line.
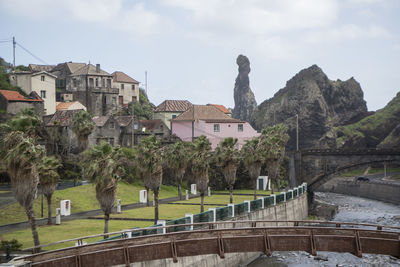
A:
[107,129]
[128,88]
[88,84]
[12,102]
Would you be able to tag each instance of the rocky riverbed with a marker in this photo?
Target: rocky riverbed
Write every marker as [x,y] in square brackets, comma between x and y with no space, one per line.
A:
[350,209]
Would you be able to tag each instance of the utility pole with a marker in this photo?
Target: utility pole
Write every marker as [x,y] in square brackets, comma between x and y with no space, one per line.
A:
[145,80]
[133,123]
[297,132]
[14,43]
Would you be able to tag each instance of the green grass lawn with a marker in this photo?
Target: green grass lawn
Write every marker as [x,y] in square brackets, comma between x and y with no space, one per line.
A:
[83,198]
[80,228]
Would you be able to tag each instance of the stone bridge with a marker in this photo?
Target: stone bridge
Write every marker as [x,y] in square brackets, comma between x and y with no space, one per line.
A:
[317,166]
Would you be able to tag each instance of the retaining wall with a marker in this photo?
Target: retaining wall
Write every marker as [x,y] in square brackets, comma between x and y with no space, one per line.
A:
[382,191]
[294,209]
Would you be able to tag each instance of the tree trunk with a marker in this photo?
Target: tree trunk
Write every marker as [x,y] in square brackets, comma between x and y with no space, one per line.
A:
[255,189]
[231,194]
[272,187]
[202,202]
[147,195]
[48,197]
[32,221]
[180,190]
[106,219]
[155,207]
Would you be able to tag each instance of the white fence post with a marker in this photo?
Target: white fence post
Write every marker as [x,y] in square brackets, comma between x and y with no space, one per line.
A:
[274,199]
[233,209]
[58,216]
[190,215]
[119,206]
[248,205]
[187,195]
[262,202]
[214,214]
[163,230]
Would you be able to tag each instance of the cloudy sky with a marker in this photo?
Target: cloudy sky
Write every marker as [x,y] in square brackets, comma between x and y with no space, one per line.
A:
[189,47]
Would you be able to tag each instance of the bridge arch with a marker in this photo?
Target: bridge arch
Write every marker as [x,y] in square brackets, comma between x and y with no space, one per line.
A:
[320,179]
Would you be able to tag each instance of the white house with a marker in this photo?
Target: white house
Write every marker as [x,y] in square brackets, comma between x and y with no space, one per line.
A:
[42,82]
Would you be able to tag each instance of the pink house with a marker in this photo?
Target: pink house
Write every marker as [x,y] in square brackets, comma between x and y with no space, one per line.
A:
[213,123]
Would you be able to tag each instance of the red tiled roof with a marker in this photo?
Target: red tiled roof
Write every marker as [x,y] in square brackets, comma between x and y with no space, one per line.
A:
[206,113]
[15,96]
[119,76]
[221,107]
[173,106]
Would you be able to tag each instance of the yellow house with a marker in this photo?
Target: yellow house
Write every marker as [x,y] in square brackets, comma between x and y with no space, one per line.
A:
[170,109]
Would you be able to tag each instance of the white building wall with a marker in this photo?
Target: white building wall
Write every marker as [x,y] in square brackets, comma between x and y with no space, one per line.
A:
[49,86]
[127,93]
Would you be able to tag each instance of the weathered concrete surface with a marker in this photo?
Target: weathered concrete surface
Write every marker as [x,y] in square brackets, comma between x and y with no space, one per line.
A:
[382,191]
[296,209]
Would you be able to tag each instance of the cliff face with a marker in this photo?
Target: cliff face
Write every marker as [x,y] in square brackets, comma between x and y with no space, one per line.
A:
[320,104]
[379,130]
[245,102]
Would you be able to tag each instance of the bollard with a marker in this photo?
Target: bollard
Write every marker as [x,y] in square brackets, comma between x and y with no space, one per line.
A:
[209,191]
[154,203]
[193,189]
[143,196]
[58,216]
[187,195]
[119,206]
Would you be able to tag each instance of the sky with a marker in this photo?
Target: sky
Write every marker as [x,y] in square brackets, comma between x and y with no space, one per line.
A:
[189,47]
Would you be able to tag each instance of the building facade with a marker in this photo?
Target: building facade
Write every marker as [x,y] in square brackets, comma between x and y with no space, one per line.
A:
[128,88]
[170,109]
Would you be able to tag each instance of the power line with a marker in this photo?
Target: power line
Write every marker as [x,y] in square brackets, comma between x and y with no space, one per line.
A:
[36,57]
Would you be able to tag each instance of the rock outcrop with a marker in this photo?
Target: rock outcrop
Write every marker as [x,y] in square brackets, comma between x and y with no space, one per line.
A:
[245,102]
[379,130]
[319,103]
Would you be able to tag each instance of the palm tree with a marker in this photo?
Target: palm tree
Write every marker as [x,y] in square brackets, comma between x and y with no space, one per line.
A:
[253,160]
[26,121]
[48,177]
[200,163]
[227,157]
[273,141]
[177,160]
[150,168]
[21,156]
[102,169]
[82,125]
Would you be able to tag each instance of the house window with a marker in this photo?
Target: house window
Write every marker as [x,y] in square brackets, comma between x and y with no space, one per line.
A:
[134,98]
[240,127]
[173,116]
[75,82]
[120,99]
[103,83]
[122,86]
[133,87]
[91,82]
[112,125]
[216,127]
[112,141]
[42,78]
[97,82]
[108,83]
[43,94]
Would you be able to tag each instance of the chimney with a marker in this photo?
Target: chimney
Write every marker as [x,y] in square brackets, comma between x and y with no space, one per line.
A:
[98,68]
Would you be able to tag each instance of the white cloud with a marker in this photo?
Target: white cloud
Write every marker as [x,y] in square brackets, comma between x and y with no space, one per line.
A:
[107,13]
[345,33]
[258,16]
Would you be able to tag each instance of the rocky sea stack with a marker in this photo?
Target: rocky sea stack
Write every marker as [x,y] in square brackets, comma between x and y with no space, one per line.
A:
[245,102]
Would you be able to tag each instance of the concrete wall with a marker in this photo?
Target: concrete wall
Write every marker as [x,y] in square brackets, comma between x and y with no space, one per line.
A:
[296,209]
[387,192]
[127,92]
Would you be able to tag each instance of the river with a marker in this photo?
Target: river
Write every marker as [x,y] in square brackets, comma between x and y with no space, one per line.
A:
[351,209]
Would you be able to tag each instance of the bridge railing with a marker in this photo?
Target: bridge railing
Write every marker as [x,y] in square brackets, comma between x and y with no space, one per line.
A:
[200,220]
